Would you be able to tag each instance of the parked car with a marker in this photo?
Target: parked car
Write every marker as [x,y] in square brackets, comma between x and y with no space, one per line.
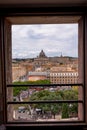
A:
[21,109]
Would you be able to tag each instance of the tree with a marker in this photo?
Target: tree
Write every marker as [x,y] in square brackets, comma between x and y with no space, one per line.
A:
[17,90]
[65,110]
[47,95]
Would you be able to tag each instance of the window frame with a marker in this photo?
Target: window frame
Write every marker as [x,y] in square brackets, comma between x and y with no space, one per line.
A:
[3,63]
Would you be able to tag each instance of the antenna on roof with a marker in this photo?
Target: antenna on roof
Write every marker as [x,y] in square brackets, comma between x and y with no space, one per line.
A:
[61,55]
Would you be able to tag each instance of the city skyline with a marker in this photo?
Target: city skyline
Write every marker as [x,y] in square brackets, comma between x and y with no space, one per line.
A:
[53,39]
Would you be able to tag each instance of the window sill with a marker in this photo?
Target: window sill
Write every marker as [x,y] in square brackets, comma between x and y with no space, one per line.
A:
[46,124]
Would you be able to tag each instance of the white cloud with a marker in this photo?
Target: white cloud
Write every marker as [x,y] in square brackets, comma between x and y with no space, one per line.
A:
[29,40]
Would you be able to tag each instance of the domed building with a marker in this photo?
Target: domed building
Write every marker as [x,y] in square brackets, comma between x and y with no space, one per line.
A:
[41,60]
[42,54]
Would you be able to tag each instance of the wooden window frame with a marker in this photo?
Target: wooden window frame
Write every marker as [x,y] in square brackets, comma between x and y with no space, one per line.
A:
[4,40]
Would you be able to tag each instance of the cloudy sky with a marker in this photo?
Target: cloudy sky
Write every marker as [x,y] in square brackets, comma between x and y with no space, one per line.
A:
[54,39]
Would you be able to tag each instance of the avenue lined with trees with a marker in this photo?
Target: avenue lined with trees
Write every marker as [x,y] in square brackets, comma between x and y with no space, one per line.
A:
[66,110]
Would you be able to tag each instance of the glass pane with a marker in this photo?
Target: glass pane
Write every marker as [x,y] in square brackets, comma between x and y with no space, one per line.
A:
[38,93]
[43,112]
[45,53]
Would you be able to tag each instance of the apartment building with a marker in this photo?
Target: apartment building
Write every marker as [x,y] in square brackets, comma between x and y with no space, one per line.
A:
[69,77]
